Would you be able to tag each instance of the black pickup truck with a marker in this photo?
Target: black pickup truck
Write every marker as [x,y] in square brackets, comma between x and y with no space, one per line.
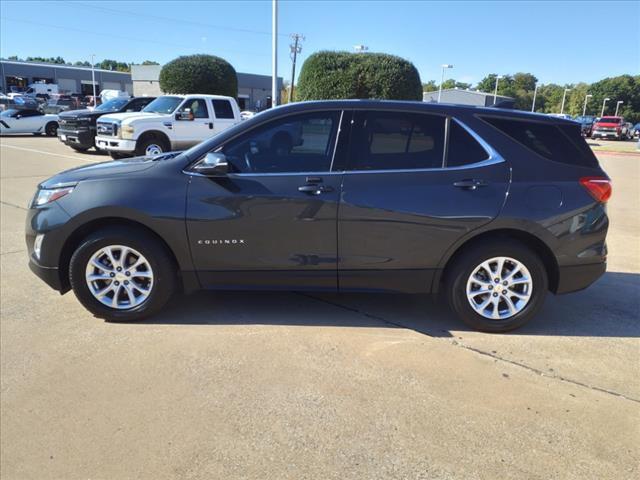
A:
[77,128]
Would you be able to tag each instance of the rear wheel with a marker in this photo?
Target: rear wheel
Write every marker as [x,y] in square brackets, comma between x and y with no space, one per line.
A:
[120,275]
[51,129]
[497,287]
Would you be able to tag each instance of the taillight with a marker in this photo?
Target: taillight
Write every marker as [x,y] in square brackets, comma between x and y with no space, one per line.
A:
[598,187]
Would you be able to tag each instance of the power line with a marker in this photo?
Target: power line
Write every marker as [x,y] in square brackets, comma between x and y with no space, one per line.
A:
[174,20]
[111,35]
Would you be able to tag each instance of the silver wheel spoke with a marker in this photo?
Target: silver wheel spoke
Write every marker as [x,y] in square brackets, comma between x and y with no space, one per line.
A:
[512,291]
[120,289]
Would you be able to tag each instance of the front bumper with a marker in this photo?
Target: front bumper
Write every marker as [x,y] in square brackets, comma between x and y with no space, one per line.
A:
[605,135]
[80,138]
[579,277]
[50,275]
[114,144]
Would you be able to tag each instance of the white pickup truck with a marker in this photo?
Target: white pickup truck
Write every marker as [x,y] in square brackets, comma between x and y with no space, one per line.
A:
[170,122]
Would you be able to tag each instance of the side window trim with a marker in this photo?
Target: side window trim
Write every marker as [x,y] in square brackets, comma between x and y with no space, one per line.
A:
[494,156]
[445,150]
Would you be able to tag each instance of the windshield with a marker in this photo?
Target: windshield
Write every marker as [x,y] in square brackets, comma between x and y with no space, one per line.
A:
[163,105]
[8,113]
[585,119]
[609,120]
[112,105]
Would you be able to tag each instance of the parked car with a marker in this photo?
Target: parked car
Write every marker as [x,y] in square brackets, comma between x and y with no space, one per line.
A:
[78,127]
[28,121]
[566,116]
[611,127]
[505,207]
[586,122]
[636,130]
[170,122]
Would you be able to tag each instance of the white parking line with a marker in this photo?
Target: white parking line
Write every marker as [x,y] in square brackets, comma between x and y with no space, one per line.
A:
[49,153]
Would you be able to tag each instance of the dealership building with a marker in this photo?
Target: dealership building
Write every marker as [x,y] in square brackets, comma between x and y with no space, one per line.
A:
[252,89]
[68,78]
[143,80]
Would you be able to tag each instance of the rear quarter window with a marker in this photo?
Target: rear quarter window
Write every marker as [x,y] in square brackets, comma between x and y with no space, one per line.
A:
[560,143]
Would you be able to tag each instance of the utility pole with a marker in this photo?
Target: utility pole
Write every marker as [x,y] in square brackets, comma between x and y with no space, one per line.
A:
[444,67]
[93,79]
[564,96]
[535,93]
[495,92]
[295,50]
[584,107]
[274,53]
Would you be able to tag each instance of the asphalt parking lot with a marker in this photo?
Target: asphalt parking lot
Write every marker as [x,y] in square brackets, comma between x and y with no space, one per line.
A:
[307,386]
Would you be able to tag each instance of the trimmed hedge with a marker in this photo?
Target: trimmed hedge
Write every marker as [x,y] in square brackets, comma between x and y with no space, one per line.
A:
[338,75]
[206,74]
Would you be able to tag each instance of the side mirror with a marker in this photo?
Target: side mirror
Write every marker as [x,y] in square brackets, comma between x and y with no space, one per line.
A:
[184,115]
[213,164]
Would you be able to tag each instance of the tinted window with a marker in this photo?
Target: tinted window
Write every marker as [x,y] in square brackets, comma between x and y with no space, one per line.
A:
[30,113]
[563,144]
[463,148]
[138,104]
[301,143]
[392,140]
[197,106]
[223,109]
[112,105]
[610,120]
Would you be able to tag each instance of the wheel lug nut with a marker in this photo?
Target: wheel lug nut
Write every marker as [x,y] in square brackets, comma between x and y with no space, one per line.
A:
[126,282]
[504,292]
[505,283]
[497,280]
[112,274]
[128,274]
[119,269]
[490,287]
[495,294]
[117,283]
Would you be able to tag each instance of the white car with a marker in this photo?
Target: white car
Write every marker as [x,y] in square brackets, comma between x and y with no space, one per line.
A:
[28,121]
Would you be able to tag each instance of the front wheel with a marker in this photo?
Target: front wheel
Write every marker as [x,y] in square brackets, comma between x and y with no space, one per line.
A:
[151,146]
[51,129]
[120,275]
[496,287]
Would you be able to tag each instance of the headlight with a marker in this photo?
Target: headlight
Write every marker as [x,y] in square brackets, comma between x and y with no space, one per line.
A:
[48,195]
[126,131]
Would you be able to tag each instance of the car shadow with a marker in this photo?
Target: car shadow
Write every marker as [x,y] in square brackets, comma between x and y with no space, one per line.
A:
[609,308]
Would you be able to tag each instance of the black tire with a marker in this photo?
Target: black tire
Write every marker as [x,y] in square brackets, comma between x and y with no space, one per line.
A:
[146,142]
[160,261]
[51,129]
[80,149]
[458,273]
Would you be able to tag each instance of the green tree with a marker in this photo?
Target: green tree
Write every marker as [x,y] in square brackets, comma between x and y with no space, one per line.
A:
[451,83]
[336,75]
[206,74]
[150,62]
[114,65]
[430,86]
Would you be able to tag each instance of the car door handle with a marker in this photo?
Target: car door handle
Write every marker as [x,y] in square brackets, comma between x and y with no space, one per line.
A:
[314,189]
[470,184]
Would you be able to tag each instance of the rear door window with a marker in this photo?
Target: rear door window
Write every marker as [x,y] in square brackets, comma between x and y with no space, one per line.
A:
[397,141]
[223,109]
[463,148]
[562,143]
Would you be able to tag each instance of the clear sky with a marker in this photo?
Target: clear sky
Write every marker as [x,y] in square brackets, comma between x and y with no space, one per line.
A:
[560,42]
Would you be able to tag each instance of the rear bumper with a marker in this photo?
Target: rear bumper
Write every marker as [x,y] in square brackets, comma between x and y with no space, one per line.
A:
[579,277]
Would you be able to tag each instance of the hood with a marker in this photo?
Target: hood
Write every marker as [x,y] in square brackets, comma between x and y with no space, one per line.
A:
[75,114]
[100,170]
[133,116]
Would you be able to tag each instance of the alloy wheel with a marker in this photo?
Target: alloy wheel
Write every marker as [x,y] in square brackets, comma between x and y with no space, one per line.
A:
[499,288]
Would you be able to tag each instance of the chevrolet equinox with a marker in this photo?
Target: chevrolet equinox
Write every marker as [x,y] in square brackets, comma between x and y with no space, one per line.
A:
[491,208]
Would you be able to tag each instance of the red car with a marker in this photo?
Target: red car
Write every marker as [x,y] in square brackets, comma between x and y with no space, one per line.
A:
[611,127]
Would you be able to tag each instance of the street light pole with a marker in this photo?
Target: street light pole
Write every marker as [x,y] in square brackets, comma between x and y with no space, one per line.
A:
[274,53]
[603,104]
[444,66]
[495,92]
[93,78]
[535,93]
[584,108]
[564,96]
[295,50]
[618,106]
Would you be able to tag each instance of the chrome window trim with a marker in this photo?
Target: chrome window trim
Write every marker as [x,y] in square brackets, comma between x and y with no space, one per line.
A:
[494,158]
